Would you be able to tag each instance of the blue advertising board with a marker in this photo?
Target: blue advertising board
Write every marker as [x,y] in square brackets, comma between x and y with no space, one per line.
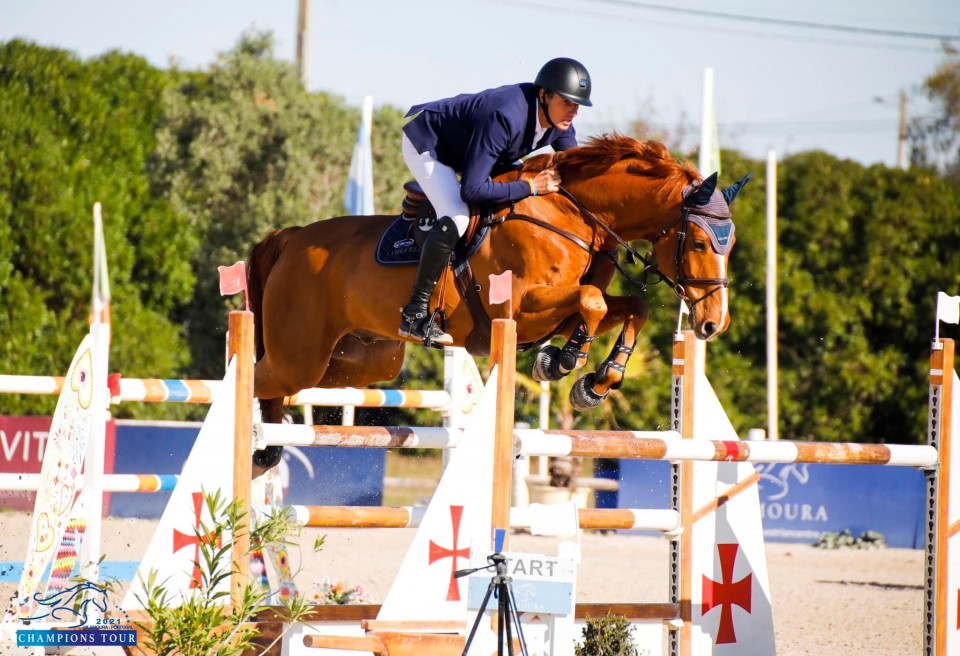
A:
[800,502]
[317,476]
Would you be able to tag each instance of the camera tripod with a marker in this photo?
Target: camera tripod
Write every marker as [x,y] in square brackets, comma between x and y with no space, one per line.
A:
[501,586]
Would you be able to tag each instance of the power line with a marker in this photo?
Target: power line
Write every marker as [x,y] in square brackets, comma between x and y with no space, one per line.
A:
[729,31]
[783,21]
[783,126]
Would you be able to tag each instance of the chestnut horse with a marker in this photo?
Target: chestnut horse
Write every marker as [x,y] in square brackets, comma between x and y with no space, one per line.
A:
[326,314]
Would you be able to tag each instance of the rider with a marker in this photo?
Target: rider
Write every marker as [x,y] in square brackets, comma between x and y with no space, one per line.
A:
[481,135]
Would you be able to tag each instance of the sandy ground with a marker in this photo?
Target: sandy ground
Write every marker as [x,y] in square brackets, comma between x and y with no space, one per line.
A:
[824,601]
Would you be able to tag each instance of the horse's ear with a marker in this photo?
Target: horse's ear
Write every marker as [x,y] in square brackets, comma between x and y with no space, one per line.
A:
[731,192]
[701,195]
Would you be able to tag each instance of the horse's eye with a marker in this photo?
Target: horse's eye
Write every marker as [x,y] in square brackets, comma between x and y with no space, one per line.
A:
[699,245]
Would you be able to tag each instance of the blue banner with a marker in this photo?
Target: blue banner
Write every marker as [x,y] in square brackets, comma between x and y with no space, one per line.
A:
[800,502]
[317,476]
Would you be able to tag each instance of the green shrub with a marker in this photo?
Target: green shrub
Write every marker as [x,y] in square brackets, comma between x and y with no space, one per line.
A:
[610,635]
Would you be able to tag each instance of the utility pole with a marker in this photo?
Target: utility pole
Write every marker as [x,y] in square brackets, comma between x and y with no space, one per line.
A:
[303,42]
[902,136]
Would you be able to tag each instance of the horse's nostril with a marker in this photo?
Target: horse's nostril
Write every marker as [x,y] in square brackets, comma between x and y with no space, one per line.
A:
[709,328]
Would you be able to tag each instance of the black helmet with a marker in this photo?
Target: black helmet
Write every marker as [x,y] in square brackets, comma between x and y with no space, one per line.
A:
[567,77]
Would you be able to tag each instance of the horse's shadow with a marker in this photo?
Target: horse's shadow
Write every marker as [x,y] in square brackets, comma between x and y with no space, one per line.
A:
[64,605]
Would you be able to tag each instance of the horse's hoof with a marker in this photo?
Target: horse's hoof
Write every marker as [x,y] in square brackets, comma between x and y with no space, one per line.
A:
[547,364]
[265,459]
[582,396]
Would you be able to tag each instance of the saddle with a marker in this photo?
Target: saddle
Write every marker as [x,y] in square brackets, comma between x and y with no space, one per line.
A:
[401,242]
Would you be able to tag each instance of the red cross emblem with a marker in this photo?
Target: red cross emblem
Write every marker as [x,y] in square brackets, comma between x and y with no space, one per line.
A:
[181,540]
[725,595]
[437,553]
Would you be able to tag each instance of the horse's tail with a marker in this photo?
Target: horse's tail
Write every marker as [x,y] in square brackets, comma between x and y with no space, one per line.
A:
[263,257]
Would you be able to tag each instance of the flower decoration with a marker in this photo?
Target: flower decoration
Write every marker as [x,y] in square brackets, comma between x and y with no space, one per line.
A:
[336,592]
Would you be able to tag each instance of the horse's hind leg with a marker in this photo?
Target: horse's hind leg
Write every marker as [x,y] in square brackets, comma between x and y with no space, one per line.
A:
[356,364]
[592,389]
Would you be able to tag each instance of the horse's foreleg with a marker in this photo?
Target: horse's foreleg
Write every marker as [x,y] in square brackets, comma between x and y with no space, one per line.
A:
[271,412]
[592,389]
[550,304]
[272,382]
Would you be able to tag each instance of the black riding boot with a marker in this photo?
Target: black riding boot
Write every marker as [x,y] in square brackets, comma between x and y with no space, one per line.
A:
[433,260]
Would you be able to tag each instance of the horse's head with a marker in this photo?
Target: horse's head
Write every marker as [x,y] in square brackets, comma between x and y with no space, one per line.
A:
[694,253]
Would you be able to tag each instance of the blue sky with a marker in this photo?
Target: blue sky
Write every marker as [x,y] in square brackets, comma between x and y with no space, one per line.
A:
[785,87]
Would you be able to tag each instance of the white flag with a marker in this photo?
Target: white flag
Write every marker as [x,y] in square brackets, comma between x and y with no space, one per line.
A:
[709,160]
[948,308]
[100,300]
[359,196]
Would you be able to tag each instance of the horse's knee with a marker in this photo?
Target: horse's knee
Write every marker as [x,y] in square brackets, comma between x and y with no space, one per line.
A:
[592,302]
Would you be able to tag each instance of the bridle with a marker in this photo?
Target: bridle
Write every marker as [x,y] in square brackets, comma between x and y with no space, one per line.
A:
[681,283]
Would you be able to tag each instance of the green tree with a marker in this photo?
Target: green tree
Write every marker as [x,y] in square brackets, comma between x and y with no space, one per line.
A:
[243,150]
[862,252]
[940,135]
[73,133]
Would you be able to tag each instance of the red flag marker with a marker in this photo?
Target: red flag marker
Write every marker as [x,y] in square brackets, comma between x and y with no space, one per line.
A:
[233,279]
[501,290]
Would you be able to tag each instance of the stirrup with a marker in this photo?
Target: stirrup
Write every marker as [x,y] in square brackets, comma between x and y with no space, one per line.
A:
[424,327]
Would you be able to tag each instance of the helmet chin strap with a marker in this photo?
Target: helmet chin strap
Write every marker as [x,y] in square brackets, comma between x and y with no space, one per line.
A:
[543,106]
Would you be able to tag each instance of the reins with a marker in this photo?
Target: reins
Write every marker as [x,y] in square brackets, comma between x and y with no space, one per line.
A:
[649,265]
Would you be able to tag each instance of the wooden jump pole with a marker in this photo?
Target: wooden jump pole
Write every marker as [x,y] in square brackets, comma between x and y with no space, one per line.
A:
[241,347]
[503,355]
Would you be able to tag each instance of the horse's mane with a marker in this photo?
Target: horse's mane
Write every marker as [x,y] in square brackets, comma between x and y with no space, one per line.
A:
[647,158]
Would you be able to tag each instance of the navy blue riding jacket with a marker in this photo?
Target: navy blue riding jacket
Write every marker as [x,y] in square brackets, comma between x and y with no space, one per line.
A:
[481,135]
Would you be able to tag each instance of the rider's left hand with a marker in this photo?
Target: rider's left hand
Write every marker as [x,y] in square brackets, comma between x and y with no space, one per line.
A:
[547,181]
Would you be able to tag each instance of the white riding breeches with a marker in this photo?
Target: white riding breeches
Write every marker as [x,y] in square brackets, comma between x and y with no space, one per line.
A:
[439,182]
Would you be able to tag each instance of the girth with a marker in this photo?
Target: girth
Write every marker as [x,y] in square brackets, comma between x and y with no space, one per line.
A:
[478,342]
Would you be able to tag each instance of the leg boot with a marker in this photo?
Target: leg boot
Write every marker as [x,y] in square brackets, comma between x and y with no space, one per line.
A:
[415,317]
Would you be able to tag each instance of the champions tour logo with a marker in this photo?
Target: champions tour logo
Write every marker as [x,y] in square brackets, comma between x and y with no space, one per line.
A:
[73,607]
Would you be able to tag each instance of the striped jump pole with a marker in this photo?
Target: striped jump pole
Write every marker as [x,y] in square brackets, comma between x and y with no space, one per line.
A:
[374,437]
[664,519]
[641,445]
[110,482]
[172,390]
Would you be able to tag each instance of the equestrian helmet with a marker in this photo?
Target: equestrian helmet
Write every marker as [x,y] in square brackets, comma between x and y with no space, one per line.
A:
[567,77]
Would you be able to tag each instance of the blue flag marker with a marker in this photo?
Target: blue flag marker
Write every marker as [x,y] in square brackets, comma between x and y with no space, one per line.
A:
[499,535]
